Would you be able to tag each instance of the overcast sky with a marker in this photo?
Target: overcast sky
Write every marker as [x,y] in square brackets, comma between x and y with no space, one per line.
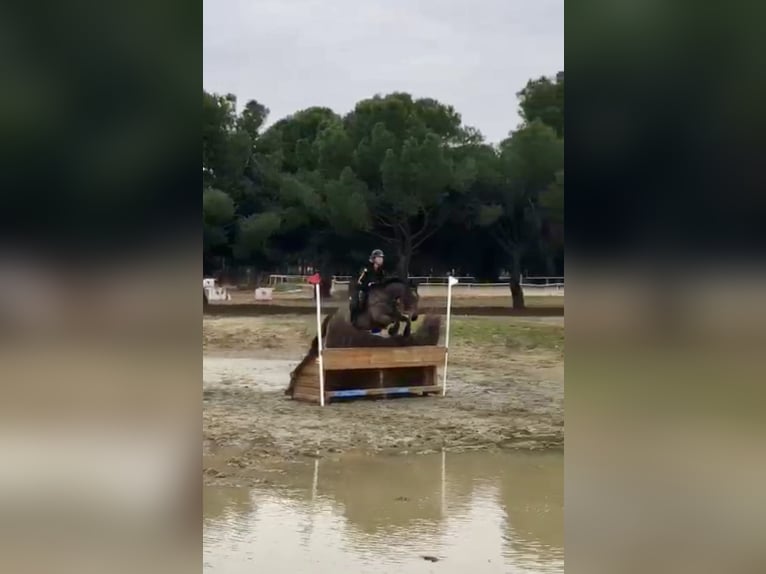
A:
[293,54]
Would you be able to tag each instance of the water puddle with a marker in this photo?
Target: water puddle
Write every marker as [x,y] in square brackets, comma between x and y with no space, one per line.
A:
[238,372]
[452,513]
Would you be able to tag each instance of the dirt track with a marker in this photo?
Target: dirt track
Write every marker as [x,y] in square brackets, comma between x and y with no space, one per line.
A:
[258,309]
[505,390]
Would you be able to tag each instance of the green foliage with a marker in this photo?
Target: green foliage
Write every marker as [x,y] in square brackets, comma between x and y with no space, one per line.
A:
[334,150]
[395,170]
[532,156]
[489,214]
[543,99]
[520,198]
[217,207]
[507,333]
[404,153]
[297,191]
[293,139]
[346,207]
[255,231]
[217,214]
[252,119]
[553,199]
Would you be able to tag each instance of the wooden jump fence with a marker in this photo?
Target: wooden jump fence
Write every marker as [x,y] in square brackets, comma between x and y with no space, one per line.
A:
[355,372]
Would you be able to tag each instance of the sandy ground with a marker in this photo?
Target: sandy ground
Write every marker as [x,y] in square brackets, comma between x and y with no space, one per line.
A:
[505,390]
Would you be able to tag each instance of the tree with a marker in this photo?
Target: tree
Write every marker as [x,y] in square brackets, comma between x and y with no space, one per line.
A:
[402,154]
[323,203]
[217,121]
[543,99]
[217,215]
[252,119]
[320,189]
[290,141]
[240,213]
[255,231]
[528,163]
[553,199]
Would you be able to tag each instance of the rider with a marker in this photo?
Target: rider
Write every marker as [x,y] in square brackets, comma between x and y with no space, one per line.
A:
[370,275]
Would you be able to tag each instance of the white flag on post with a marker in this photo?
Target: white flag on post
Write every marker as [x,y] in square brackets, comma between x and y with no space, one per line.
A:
[450,282]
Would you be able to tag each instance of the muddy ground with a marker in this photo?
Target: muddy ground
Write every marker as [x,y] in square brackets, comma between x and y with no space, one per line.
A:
[505,390]
[303,308]
[242,305]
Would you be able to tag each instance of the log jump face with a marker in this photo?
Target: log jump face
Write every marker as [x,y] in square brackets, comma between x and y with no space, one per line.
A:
[370,371]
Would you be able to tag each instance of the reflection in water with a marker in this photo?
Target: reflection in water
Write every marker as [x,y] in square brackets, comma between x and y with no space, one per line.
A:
[490,512]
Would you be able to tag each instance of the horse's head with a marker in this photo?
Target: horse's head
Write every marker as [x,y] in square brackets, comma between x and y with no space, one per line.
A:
[413,290]
[406,296]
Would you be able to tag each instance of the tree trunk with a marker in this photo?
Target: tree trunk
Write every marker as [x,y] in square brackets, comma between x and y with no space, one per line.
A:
[517,293]
[405,256]
[324,287]
[322,267]
[550,264]
[402,270]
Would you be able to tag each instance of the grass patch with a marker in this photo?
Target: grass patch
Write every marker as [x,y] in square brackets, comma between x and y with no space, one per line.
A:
[286,287]
[538,301]
[491,301]
[490,337]
[253,333]
[508,333]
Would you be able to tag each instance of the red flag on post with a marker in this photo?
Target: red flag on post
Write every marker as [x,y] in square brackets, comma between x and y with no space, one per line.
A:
[315,279]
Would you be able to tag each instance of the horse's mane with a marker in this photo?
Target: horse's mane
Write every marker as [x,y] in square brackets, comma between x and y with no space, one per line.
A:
[395,280]
[390,280]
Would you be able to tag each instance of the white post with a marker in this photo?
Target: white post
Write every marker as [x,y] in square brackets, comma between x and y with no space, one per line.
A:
[319,344]
[450,282]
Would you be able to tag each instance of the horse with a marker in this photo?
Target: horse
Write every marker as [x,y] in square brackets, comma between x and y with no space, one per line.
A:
[338,332]
[388,304]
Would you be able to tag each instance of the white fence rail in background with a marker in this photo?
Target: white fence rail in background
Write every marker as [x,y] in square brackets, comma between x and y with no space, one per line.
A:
[297,286]
[278,279]
[430,280]
[528,281]
[434,289]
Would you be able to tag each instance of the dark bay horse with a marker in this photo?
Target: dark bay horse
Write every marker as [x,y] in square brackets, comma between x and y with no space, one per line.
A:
[388,305]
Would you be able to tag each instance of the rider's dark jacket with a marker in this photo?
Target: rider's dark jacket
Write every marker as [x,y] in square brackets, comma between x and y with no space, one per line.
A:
[369,276]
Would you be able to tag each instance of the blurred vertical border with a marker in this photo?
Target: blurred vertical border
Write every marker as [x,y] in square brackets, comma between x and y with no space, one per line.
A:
[666,305]
[100,243]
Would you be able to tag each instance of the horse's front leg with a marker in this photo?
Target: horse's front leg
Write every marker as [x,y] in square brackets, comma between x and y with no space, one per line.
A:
[393,330]
[408,326]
